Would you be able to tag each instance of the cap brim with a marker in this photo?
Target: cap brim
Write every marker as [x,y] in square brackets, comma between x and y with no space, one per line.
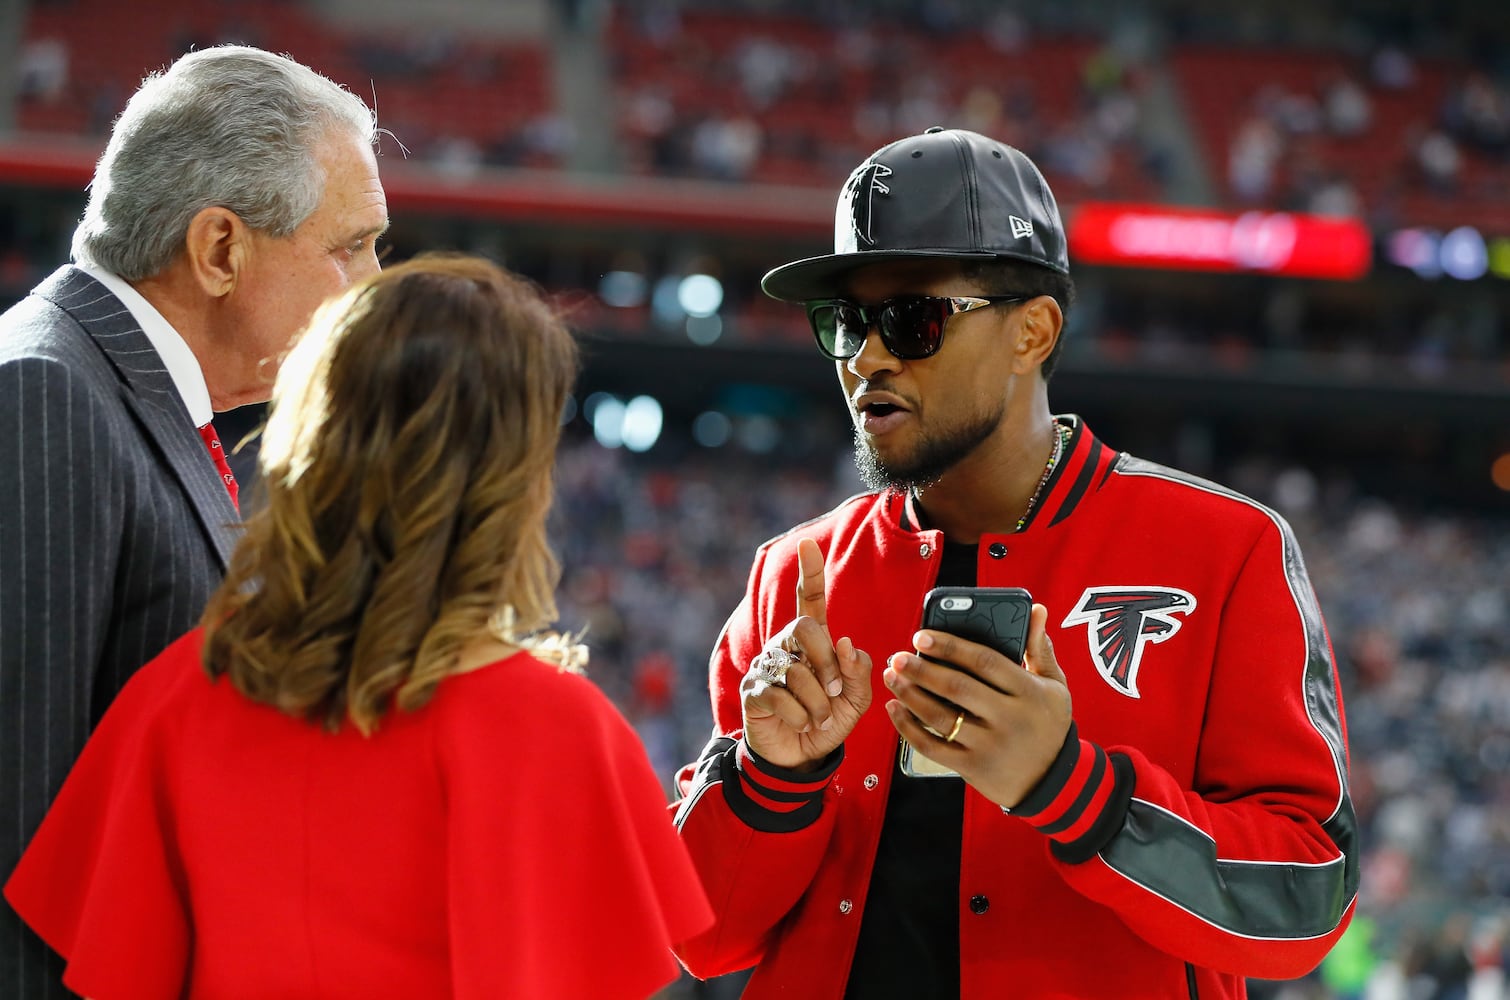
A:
[823,277]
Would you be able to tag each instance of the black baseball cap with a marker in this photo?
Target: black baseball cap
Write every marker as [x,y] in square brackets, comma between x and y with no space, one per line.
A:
[947,193]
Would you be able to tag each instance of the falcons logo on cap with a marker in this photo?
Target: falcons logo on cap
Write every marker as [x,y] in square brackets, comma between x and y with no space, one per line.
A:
[852,221]
[1121,621]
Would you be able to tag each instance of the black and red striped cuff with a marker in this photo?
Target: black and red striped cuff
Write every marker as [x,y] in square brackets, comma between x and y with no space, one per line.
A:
[774,799]
[1082,801]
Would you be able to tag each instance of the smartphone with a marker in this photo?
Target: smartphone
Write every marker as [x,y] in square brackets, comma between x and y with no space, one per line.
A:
[992,616]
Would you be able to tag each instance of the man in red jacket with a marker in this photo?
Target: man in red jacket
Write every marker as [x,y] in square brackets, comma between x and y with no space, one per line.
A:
[1154,803]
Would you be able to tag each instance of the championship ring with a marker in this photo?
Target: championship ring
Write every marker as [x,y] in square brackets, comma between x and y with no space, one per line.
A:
[771,665]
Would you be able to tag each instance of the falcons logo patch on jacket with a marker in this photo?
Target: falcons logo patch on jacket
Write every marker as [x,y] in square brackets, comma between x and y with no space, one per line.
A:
[1121,621]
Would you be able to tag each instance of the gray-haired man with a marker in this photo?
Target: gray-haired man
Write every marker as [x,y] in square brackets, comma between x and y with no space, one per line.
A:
[239,189]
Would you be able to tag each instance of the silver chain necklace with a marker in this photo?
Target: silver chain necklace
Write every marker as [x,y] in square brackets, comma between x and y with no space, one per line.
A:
[1060,433]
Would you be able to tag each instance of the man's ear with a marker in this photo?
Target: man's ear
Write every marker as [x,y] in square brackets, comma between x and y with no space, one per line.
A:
[216,247]
[1042,322]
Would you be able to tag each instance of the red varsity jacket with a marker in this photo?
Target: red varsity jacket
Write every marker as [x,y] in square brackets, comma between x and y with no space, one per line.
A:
[1196,829]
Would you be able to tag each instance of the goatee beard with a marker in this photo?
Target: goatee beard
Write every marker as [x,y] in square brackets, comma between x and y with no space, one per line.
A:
[934,456]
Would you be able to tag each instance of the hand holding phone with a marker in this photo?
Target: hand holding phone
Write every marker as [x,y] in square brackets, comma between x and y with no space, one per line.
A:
[992,616]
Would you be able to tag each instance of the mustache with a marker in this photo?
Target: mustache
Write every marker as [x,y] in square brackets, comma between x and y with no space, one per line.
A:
[882,385]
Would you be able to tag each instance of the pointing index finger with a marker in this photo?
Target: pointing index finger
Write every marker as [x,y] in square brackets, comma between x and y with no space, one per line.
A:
[811,600]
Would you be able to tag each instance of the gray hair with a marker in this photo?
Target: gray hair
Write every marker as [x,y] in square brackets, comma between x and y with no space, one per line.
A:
[229,126]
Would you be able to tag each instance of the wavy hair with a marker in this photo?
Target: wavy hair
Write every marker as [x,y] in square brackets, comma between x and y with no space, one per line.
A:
[231,126]
[406,470]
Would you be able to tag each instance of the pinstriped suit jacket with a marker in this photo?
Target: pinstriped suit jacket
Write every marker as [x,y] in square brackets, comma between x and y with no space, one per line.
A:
[114,530]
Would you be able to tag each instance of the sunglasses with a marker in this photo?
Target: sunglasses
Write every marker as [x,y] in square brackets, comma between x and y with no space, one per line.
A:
[911,326]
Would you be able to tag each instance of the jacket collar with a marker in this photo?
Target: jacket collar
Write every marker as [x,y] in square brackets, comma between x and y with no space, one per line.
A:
[152,397]
[1082,470]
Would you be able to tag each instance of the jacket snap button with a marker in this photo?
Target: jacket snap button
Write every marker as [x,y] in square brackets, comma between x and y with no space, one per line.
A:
[997,550]
[871,781]
[845,906]
[979,904]
[925,550]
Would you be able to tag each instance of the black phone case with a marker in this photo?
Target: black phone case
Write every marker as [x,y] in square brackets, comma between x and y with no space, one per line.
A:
[996,617]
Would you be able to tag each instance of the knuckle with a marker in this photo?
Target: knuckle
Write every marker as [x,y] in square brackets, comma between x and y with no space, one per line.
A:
[984,662]
[809,634]
[951,682]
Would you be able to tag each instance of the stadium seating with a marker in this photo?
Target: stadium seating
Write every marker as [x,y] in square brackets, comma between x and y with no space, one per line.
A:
[430,88]
[790,99]
[1223,87]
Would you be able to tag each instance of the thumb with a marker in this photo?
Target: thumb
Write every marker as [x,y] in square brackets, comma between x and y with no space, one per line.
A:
[1040,657]
[854,669]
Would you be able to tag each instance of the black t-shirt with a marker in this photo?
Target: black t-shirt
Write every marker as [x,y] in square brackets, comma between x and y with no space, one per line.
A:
[909,933]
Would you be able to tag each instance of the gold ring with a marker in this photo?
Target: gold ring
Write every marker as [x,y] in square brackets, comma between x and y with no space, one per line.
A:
[959,720]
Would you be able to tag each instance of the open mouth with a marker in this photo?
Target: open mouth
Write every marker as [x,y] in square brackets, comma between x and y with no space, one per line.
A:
[879,415]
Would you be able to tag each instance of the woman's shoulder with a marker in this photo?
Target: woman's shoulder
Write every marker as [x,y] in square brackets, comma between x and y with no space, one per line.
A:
[522,694]
[171,677]
[524,675]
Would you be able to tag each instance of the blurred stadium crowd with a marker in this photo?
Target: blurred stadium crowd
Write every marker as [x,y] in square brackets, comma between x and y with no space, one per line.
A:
[1395,113]
[1387,110]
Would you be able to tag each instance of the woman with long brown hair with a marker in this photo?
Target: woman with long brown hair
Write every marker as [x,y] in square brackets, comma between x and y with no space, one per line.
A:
[372,772]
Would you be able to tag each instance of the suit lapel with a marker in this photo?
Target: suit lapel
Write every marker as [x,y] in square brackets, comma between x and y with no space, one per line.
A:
[151,396]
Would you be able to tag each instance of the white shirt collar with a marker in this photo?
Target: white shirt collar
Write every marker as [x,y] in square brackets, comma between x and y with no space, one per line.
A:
[183,367]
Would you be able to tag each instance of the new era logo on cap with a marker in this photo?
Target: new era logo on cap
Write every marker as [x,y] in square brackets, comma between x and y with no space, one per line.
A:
[1021,228]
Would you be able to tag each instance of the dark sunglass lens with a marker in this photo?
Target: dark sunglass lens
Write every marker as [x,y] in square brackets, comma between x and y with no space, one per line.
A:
[839,328]
[849,331]
[914,327]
